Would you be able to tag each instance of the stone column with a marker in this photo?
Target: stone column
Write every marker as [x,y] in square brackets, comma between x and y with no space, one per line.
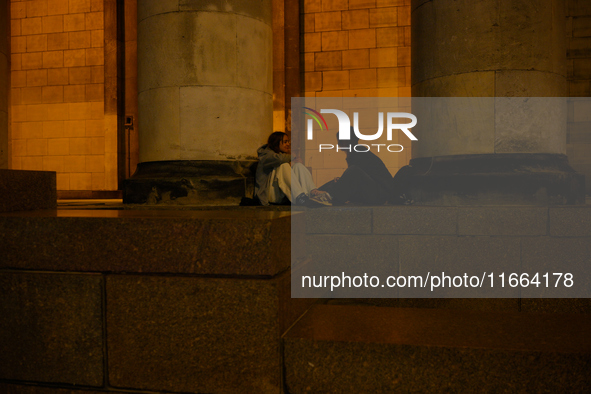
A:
[488,154]
[204,97]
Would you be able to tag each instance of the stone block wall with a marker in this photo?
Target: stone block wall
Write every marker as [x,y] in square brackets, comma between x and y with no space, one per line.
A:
[354,48]
[57,93]
[578,30]
[414,240]
[4,85]
[162,304]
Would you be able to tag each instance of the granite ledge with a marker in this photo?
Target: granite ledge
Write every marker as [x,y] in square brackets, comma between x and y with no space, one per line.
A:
[234,243]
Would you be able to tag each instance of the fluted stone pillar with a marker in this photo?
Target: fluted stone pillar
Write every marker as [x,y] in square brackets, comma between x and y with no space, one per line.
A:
[205,98]
[491,151]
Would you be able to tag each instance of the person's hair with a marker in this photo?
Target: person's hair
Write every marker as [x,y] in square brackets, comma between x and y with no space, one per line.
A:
[353,139]
[274,140]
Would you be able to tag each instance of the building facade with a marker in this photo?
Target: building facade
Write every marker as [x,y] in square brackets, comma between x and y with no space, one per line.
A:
[70,91]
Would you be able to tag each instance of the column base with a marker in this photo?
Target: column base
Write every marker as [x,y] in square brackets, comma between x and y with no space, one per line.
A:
[190,182]
[495,179]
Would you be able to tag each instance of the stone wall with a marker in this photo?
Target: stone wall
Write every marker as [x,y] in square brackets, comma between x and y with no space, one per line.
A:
[163,304]
[578,18]
[57,95]
[4,85]
[354,48]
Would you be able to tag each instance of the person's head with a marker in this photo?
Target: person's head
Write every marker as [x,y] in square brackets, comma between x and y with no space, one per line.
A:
[353,140]
[279,142]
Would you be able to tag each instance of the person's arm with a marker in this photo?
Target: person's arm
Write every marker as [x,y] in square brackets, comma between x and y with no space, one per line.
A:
[272,159]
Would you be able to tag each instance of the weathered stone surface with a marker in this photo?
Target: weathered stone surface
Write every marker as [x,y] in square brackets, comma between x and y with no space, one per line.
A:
[456,256]
[572,222]
[557,255]
[195,334]
[454,125]
[51,328]
[218,87]
[488,241]
[298,237]
[165,135]
[502,221]
[495,48]
[238,133]
[536,123]
[27,190]
[238,242]
[348,255]
[200,64]
[336,220]
[481,84]
[155,7]
[497,36]
[254,52]
[415,220]
[260,10]
[335,349]
[354,250]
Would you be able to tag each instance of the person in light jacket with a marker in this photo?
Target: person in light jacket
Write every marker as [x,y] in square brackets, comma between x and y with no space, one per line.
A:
[281,179]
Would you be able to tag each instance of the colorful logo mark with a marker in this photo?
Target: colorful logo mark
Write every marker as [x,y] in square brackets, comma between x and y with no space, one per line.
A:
[315,115]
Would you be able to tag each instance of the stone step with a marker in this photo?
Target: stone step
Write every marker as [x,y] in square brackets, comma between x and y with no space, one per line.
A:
[362,349]
[201,297]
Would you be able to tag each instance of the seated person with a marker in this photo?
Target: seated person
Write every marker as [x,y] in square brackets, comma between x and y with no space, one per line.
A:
[279,180]
[365,181]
